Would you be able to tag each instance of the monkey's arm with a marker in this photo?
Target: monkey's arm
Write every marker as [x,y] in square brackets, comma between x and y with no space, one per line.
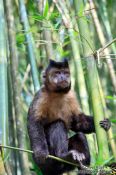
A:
[37,139]
[85,124]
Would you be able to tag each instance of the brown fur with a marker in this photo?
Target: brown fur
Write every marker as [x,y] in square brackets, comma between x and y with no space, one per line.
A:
[52,106]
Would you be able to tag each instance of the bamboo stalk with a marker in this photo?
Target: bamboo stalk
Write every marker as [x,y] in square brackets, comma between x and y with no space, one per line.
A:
[47,35]
[110,132]
[3,79]
[103,151]
[104,16]
[3,87]
[12,125]
[30,44]
[2,169]
[16,86]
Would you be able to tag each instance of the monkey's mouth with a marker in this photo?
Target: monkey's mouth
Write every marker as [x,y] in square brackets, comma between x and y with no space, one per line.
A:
[63,84]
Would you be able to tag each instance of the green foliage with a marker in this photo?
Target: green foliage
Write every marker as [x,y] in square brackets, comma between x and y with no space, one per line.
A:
[46,9]
[110,98]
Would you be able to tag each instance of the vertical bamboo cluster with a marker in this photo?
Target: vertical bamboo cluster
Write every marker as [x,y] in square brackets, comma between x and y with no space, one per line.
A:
[21,137]
[103,153]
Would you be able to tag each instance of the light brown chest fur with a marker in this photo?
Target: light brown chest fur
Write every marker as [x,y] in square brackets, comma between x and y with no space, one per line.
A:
[51,107]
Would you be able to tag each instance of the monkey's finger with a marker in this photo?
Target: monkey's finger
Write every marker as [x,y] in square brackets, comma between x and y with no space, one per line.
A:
[83,156]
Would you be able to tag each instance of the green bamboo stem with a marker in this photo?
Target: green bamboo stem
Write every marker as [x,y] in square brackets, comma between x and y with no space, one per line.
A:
[82,26]
[30,44]
[47,35]
[79,73]
[12,132]
[2,168]
[112,142]
[3,87]
[103,10]
[16,86]
[49,47]
[110,132]
[103,151]
[3,79]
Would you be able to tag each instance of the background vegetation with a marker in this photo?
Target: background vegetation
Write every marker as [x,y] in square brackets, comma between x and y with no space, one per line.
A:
[31,33]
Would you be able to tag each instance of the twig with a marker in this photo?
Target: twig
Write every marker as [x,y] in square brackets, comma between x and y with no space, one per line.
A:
[107,45]
[15,148]
[49,156]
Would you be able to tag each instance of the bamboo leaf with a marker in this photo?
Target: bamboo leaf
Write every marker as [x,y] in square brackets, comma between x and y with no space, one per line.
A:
[113,121]
[38,17]
[46,9]
[110,98]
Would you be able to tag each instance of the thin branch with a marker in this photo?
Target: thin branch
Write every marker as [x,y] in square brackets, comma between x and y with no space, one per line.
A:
[16,149]
[107,45]
[96,53]
[49,156]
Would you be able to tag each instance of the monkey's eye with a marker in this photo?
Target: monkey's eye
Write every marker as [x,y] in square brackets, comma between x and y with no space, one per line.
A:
[66,72]
[57,72]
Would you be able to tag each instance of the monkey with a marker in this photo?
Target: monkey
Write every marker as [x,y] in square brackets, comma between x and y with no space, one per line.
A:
[53,112]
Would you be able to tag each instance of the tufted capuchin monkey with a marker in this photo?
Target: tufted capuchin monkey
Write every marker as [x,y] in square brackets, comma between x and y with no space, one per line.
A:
[53,112]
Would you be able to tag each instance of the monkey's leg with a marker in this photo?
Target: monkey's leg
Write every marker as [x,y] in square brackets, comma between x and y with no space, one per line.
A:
[79,142]
[57,139]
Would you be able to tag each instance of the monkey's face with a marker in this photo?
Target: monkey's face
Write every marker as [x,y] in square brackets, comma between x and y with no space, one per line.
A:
[58,80]
[57,77]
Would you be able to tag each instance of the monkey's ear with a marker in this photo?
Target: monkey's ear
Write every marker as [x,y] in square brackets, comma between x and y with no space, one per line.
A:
[65,60]
[51,62]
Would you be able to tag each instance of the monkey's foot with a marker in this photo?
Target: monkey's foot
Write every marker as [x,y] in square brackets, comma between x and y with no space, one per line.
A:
[77,156]
[74,156]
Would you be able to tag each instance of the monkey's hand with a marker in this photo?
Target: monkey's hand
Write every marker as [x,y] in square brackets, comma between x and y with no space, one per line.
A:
[106,124]
[40,156]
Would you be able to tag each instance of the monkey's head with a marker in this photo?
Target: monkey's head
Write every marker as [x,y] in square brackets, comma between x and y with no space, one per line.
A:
[57,77]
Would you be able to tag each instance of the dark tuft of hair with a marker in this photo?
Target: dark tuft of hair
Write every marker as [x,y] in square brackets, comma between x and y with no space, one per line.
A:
[59,65]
